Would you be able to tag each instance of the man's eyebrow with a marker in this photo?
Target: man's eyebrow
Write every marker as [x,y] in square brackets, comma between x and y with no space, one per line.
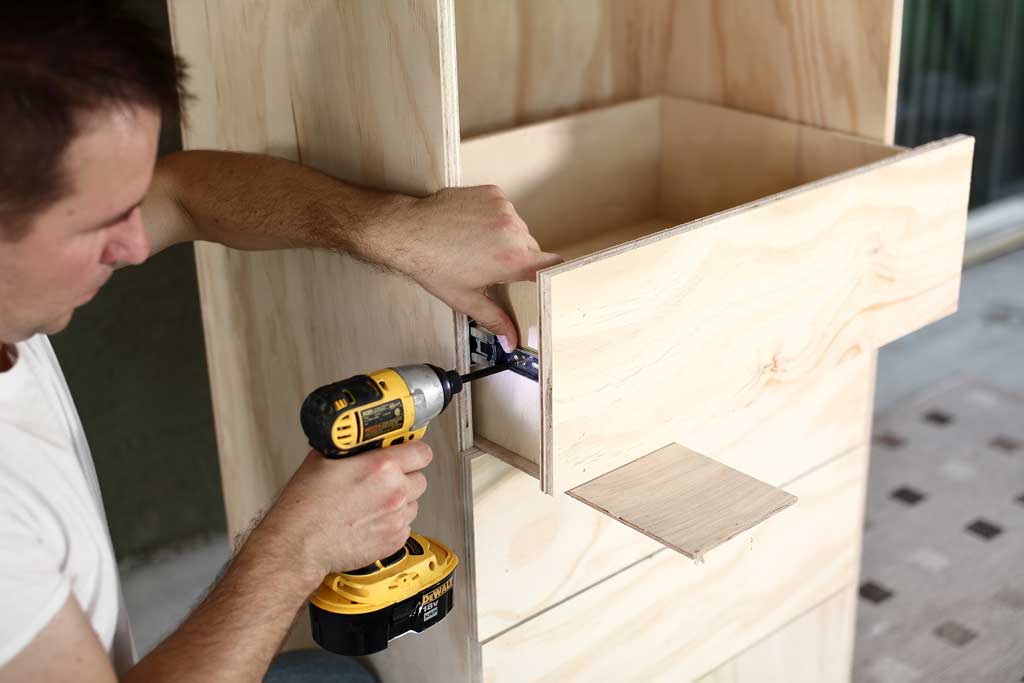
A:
[118,218]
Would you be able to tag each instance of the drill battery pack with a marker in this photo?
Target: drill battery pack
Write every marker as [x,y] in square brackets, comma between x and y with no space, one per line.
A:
[359,612]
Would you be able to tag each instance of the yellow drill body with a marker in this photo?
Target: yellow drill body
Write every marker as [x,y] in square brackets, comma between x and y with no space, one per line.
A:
[358,611]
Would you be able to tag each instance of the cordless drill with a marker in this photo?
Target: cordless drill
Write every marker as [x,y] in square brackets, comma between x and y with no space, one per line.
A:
[357,612]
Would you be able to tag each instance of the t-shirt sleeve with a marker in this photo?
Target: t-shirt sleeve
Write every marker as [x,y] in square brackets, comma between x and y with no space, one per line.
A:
[33,586]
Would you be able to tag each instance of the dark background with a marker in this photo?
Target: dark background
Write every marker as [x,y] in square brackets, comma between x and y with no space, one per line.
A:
[135,361]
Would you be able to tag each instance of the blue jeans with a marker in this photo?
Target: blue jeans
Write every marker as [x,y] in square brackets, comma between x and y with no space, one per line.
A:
[316,666]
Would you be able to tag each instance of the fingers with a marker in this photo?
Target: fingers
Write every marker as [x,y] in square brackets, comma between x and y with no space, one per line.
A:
[412,508]
[486,312]
[411,457]
[415,484]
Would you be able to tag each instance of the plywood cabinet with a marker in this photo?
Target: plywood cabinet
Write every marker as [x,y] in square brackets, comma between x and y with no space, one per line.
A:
[740,237]
[794,249]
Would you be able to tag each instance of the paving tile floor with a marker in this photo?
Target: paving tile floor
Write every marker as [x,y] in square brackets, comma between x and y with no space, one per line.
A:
[942,586]
[942,576]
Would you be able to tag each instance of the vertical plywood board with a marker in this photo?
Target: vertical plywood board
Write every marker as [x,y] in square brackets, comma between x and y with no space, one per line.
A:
[364,91]
[668,619]
[831,65]
[578,176]
[817,647]
[685,323]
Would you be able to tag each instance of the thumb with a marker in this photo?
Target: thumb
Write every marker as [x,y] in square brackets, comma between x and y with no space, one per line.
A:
[489,314]
[541,261]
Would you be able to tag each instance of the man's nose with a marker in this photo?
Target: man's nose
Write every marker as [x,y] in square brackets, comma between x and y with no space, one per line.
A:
[129,245]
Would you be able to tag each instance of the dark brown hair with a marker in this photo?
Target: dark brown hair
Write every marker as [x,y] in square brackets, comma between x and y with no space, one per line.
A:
[58,62]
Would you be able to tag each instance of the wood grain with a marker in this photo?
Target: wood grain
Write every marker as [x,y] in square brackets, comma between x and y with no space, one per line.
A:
[575,177]
[534,551]
[683,499]
[668,619]
[321,83]
[506,406]
[689,321]
[280,77]
[715,158]
[711,159]
[831,65]
[605,178]
[815,648]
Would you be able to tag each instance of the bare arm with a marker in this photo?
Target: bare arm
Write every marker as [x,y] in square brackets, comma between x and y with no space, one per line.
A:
[454,243]
[239,627]
[235,632]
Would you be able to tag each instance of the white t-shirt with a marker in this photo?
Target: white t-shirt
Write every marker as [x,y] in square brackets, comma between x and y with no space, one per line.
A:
[53,531]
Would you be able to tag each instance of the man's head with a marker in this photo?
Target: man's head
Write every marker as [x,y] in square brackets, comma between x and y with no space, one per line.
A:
[82,89]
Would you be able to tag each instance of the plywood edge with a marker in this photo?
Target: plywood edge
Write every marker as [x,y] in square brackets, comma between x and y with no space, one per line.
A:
[547,475]
[684,500]
[468,579]
[892,76]
[517,461]
[673,105]
[566,120]
[949,144]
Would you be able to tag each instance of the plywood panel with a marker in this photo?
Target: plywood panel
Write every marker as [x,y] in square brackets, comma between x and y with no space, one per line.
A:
[534,550]
[815,648]
[683,499]
[668,619]
[715,158]
[322,83]
[831,65]
[573,178]
[685,323]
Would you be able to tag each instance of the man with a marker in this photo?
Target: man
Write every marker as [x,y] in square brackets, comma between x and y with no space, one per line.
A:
[81,94]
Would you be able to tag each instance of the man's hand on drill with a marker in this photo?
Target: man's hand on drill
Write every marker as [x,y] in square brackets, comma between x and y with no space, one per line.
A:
[343,514]
[456,243]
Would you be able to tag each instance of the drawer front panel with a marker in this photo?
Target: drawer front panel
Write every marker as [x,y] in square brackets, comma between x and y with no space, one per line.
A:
[644,342]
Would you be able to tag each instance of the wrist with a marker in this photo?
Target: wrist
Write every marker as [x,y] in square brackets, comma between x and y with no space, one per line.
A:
[283,554]
[376,228]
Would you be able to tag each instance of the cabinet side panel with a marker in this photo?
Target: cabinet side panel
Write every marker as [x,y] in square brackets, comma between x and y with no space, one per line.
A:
[356,89]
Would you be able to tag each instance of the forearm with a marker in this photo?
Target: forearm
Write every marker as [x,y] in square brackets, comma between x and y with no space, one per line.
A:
[256,202]
[238,628]
[455,243]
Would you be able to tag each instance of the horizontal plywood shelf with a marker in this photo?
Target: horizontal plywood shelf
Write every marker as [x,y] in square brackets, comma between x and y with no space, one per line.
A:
[684,500]
[711,253]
